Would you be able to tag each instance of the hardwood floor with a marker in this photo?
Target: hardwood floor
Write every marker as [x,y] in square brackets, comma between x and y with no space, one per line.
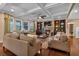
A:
[5,53]
[50,52]
[53,52]
[56,52]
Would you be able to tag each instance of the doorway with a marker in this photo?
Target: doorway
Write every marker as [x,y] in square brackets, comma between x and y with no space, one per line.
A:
[71,29]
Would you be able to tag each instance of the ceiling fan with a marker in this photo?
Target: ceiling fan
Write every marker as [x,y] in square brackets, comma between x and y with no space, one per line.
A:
[41,17]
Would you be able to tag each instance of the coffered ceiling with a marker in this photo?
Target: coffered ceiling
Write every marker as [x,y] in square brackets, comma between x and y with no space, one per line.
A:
[32,11]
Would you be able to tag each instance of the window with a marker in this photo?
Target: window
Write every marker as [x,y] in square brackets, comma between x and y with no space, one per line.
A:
[18,25]
[11,24]
[32,26]
[25,25]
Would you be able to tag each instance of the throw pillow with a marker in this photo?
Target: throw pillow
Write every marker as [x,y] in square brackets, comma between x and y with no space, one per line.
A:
[14,35]
[26,38]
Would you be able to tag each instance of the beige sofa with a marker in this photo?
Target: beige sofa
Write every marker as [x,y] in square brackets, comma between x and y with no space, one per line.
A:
[19,46]
[63,46]
[61,43]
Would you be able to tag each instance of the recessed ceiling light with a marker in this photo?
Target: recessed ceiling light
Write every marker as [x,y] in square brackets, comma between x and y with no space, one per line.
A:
[12,10]
[76,11]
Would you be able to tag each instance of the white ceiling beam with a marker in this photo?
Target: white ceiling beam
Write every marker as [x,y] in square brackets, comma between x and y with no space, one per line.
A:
[70,9]
[43,4]
[50,4]
[38,8]
[60,13]
[45,10]
[30,11]
[53,5]
[18,6]
[3,5]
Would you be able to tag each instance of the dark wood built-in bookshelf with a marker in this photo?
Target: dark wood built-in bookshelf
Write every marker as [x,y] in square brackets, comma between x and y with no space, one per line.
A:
[39,28]
[59,25]
[47,23]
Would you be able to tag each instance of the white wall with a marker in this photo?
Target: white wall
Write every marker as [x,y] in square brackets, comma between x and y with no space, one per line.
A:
[75,24]
[1,27]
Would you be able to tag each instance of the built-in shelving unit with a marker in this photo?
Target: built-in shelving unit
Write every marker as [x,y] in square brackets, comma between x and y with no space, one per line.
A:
[39,28]
[59,25]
